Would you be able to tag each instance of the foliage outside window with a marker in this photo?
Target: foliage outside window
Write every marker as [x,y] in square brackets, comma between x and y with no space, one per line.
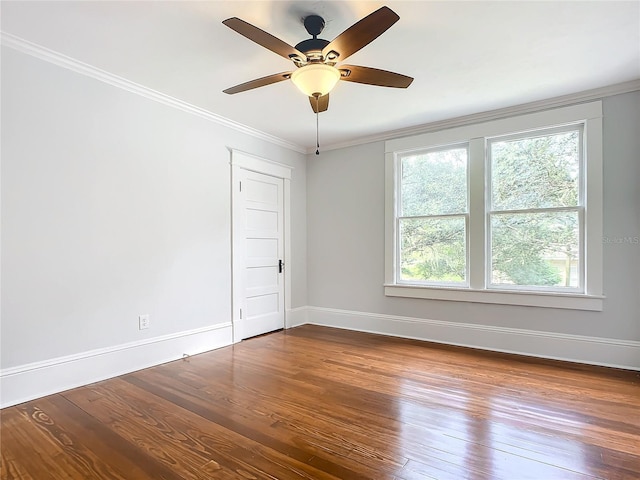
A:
[506,211]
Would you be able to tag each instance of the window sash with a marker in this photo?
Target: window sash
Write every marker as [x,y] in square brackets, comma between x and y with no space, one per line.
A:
[533,288]
[425,151]
[579,208]
[398,273]
[536,133]
[398,176]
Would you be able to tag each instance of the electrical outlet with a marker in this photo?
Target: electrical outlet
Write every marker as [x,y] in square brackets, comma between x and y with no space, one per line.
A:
[144,321]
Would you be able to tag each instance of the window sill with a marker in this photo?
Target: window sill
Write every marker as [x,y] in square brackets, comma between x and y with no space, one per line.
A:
[501,297]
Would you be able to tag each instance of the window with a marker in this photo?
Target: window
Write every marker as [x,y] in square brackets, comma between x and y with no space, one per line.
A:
[535,212]
[508,211]
[433,217]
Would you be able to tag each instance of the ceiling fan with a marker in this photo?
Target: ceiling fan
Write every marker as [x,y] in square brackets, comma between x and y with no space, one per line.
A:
[316,73]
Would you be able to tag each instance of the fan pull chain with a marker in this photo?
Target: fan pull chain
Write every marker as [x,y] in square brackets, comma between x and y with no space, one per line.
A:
[317,123]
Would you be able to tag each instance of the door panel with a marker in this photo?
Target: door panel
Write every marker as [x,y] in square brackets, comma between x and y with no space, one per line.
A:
[260,248]
[262,305]
[262,220]
[259,277]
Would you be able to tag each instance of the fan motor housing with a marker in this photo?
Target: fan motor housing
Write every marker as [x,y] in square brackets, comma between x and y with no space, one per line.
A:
[312,44]
[312,47]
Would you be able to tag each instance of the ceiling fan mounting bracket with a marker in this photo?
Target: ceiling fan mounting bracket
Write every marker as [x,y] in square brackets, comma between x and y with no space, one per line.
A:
[314,24]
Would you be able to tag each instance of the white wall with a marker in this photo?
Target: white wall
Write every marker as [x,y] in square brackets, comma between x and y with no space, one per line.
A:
[114,205]
[345,214]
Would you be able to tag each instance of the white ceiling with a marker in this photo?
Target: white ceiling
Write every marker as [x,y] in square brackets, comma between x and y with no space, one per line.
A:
[466,57]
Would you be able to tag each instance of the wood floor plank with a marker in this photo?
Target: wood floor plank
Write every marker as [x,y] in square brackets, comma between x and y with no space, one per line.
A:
[186,442]
[333,426]
[44,449]
[11,466]
[99,438]
[321,403]
[241,422]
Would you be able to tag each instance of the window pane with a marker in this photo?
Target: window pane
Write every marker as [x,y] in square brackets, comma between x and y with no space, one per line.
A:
[434,183]
[535,249]
[535,172]
[433,250]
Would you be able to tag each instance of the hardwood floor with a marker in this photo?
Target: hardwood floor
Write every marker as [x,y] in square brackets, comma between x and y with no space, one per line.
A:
[321,403]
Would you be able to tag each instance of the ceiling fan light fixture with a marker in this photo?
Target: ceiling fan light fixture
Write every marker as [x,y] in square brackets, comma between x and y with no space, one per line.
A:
[316,79]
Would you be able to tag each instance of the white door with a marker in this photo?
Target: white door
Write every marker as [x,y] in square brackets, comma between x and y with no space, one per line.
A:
[259,232]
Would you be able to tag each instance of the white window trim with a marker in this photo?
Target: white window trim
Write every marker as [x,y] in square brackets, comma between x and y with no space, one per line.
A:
[592,299]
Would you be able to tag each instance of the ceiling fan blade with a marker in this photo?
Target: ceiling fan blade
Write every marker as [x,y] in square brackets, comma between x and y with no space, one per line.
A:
[262,38]
[258,82]
[320,105]
[374,76]
[361,33]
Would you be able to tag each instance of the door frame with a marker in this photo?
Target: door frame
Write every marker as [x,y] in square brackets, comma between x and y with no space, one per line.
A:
[245,161]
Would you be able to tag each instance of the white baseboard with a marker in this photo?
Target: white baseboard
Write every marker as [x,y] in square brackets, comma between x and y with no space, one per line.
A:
[296,317]
[573,348]
[35,380]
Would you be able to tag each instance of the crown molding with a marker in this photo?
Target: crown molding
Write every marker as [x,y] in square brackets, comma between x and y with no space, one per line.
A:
[562,101]
[56,58]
